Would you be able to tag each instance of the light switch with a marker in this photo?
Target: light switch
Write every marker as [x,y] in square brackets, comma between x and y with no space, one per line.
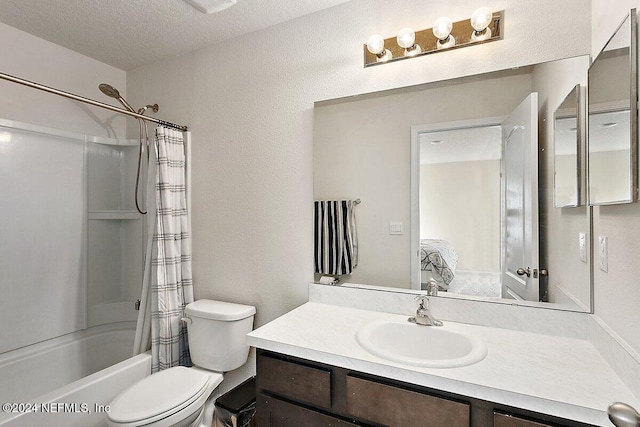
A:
[604,253]
[582,246]
[395,227]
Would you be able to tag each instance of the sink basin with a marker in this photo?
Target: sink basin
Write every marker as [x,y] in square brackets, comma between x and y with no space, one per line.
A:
[416,345]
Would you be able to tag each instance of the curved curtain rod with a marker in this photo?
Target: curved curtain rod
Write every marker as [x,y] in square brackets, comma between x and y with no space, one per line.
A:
[89,101]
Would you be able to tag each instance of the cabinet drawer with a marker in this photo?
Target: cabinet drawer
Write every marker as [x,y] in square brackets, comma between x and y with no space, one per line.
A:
[505,420]
[392,406]
[282,414]
[295,381]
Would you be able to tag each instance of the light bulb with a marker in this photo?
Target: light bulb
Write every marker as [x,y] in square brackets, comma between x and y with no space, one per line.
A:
[442,30]
[480,20]
[375,45]
[406,39]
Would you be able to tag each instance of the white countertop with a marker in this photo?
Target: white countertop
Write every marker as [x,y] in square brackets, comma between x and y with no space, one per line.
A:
[559,376]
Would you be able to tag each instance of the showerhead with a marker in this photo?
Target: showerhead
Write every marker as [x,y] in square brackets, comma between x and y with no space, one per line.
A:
[113,93]
[109,90]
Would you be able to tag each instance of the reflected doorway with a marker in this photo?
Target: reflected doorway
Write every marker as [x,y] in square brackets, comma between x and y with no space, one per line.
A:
[475,206]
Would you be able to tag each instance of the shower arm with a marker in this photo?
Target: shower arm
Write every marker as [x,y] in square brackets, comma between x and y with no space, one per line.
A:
[90,101]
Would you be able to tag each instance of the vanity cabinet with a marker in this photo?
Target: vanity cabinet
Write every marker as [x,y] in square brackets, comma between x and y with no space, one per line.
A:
[294,392]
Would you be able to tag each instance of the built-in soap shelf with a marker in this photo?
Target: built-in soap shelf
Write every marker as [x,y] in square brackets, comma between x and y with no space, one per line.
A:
[113,141]
[115,214]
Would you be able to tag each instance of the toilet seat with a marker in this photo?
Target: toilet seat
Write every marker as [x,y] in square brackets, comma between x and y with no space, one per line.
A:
[161,395]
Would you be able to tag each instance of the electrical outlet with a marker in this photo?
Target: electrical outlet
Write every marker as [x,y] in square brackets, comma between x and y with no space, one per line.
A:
[582,247]
[604,253]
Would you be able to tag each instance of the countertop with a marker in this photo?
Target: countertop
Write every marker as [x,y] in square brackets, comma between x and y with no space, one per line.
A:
[564,377]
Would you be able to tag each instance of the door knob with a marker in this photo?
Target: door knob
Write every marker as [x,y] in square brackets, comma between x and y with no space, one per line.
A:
[521,271]
[623,415]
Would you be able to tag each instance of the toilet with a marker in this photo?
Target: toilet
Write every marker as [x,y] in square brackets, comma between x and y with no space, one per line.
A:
[184,397]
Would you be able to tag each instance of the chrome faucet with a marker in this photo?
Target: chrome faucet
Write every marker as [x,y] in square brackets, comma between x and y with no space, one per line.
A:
[423,315]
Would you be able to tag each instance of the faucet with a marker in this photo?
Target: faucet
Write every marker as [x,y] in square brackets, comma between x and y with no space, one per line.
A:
[423,316]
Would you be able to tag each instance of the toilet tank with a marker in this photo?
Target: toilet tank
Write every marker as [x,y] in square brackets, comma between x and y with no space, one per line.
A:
[217,334]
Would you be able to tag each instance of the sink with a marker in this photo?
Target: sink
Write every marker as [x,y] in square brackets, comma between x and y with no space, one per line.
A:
[416,345]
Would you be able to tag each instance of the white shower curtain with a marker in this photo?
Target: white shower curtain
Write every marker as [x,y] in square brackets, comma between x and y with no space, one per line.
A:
[169,280]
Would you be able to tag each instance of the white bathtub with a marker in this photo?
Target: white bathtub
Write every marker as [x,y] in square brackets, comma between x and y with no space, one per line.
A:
[71,378]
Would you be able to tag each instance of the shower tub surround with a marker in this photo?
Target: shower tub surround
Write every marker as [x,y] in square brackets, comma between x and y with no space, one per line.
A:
[538,360]
[72,254]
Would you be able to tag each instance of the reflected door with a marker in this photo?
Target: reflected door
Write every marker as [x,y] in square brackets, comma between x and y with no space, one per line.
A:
[520,202]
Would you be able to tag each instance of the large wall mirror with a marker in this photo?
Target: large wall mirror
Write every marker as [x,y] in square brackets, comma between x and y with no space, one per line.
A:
[612,115]
[474,157]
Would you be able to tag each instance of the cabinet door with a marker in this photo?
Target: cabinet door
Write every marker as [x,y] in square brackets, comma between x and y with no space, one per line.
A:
[277,413]
[504,420]
[295,381]
[397,407]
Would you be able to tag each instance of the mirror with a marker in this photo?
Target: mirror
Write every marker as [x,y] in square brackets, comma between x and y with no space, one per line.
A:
[363,150]
[567,138]
[613,138]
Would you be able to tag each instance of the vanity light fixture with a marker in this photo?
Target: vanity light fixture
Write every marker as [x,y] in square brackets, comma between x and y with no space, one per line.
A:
[484,26]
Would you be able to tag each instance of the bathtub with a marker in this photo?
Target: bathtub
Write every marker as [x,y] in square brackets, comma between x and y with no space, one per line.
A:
[69,381]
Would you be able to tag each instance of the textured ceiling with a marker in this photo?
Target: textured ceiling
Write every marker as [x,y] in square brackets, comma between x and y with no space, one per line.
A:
[129,33]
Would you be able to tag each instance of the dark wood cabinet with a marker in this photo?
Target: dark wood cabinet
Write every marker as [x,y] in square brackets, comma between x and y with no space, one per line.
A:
[394,406]
[293,392]
[278,413]
[306,384]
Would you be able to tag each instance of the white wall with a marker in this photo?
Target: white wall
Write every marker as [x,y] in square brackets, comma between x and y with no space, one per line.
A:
[34,59]
[617,292]
[249,104]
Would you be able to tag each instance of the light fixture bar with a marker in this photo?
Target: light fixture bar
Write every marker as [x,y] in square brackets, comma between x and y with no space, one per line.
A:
[462,32]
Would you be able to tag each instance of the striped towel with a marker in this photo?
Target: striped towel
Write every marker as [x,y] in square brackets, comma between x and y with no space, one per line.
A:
[335,237]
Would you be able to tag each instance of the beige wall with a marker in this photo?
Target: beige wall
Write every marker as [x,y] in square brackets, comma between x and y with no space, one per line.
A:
[460,203]
[617,292]
[249,103]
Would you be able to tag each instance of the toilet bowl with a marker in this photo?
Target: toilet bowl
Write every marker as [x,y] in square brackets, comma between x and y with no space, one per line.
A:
[181,396]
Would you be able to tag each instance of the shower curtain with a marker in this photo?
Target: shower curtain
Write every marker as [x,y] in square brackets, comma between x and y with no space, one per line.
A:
[168,279]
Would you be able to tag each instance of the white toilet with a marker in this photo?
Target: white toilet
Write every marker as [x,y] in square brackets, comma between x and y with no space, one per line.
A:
[182,396]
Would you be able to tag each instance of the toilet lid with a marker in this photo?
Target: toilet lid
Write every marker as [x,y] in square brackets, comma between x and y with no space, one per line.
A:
[163,393]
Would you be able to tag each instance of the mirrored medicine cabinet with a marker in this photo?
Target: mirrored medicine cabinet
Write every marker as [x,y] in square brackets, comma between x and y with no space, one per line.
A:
[612,119]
